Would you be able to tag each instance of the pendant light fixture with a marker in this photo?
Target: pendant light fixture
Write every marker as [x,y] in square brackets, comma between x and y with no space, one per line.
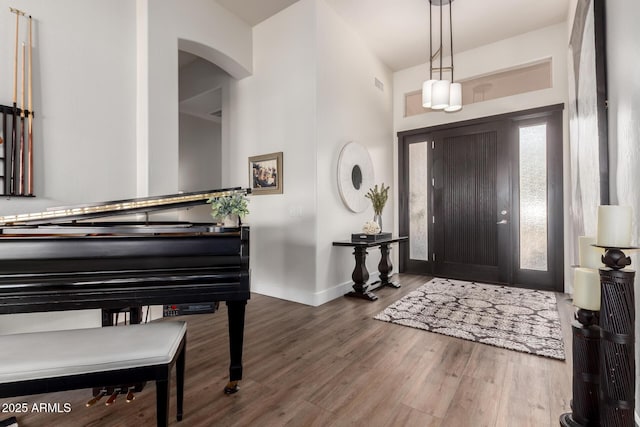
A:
[441,94]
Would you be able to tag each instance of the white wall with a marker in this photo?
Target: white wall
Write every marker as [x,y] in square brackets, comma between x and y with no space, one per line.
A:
[549,42]
[201,27]
[350,108]
[312,91]
[84,98]
[84,130]
[200,148]
[200,161]
[200,84]
[623,69]
[198,77]
[275,110]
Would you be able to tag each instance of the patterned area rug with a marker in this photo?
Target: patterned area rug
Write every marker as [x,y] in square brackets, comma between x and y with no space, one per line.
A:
[517,319]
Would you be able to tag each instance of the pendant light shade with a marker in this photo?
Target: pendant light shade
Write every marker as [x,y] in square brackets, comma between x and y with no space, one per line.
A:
[427,86]
[455,98]
[440,95]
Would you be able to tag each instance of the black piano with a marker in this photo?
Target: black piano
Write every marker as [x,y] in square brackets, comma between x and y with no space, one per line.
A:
[63,259]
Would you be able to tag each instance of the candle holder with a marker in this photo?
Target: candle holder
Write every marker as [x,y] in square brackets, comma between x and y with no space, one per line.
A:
[586,380]
[617,337]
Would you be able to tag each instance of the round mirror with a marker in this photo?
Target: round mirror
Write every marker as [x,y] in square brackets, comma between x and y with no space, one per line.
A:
[356,177]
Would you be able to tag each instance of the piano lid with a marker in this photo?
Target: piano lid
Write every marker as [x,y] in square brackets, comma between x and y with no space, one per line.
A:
[118,207]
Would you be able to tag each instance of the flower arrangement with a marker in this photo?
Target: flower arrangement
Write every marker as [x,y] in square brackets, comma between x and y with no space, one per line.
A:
[235,204]
[371,227]
[378,197]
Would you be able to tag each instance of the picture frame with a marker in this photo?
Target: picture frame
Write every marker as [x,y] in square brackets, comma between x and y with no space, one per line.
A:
[265,174]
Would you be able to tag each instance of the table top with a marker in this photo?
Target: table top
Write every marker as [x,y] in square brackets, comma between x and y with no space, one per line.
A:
[366,244]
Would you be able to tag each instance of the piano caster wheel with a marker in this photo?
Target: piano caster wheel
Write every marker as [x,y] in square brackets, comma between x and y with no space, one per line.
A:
[130,396]
[231,387]
[95,399]
[112,399]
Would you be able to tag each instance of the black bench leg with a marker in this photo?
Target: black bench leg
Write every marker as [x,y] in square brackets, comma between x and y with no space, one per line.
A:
[162,402]
[180,380]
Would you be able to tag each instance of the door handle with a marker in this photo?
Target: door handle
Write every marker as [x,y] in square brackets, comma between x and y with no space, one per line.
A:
[502,221]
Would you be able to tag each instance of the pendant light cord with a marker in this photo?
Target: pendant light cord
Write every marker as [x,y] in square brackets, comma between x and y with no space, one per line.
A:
[440,42]
[430,44]
[451,37]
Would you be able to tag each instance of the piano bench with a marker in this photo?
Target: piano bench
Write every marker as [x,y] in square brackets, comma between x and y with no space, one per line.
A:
[45,362]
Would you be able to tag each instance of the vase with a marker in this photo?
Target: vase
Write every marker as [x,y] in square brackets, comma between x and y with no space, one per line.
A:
[378,218]
[231,221]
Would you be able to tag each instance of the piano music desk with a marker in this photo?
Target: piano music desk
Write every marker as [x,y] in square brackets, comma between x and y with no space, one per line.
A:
[45,362]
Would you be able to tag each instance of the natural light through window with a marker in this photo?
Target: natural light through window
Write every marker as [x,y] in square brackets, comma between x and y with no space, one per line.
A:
[418,198]
[533,197]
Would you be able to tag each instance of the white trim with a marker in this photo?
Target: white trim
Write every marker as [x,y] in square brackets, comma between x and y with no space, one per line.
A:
[339,290]
[308,298]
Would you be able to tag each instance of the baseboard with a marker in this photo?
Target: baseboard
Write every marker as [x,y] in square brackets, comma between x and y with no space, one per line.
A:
[339,290]
[288,294]
[308,298]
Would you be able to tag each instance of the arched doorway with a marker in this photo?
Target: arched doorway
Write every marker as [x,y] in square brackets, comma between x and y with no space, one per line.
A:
[200,94]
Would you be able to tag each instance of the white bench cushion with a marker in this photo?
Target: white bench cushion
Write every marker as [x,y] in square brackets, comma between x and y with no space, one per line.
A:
[52,354]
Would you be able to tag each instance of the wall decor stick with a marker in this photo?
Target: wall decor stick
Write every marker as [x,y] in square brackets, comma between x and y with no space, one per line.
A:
[30,112]
[5,184]
[21,150]
[15,58]
[14,136]
[3,132]
[16,153]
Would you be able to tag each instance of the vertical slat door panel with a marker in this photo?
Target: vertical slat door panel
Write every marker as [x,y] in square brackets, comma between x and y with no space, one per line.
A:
[469,199]
[470,183]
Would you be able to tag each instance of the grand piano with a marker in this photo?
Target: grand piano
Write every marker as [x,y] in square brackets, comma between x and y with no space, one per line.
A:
[63,259]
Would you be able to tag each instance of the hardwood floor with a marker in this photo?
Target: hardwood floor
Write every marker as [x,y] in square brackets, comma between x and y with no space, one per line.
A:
[334,365]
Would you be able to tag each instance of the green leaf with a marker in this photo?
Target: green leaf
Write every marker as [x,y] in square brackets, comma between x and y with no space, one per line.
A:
[236,204]
[378,197]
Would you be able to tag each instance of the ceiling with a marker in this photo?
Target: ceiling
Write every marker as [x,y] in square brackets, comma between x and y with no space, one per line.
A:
[398,33]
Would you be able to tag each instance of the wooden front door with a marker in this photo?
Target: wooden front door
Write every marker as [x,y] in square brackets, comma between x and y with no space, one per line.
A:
[482,200]
[470,188]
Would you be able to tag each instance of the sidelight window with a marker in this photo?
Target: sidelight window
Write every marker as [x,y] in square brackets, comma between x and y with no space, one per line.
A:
[533,197]
[418,201]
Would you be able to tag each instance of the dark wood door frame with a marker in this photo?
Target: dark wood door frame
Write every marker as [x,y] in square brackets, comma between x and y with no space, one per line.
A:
[555,273]
[554,115]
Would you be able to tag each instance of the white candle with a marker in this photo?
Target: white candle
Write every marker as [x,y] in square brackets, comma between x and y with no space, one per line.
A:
[586,289]
[589,256]
[614,226]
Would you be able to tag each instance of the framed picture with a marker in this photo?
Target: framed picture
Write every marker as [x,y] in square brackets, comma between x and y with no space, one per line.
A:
[265,174]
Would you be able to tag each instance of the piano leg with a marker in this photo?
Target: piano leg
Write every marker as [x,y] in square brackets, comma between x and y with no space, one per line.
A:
[135,315]
[235,311]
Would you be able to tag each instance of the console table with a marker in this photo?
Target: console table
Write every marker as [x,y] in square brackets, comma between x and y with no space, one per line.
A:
[360,273]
